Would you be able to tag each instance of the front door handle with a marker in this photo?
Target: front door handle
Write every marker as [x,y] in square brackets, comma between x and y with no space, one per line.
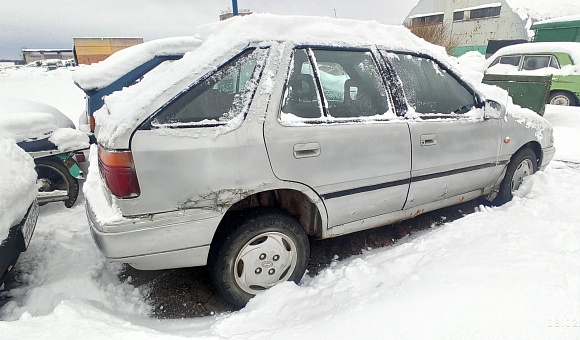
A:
[305,150]
[429,139]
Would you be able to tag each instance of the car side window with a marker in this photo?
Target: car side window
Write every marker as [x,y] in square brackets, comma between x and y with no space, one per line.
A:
[554,63]
[350,81]
[428,87]
[513,60]
[301,97]
[218,98]
[536,62]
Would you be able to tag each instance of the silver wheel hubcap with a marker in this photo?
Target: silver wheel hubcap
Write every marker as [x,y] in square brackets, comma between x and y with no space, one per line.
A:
[266,260]
[560,100]
[523,170]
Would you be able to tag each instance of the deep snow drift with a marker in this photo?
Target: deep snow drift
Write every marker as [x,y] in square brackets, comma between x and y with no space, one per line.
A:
[506,272]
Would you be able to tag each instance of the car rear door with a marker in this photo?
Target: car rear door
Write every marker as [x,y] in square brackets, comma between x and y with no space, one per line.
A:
[336,133]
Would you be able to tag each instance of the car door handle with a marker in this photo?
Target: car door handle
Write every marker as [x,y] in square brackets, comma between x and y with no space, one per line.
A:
[305,150]
[428,140]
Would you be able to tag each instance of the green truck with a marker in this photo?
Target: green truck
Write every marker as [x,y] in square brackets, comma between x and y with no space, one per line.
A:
[558,29]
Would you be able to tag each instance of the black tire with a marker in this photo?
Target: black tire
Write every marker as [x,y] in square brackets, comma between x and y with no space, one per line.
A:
[258,250]
[53,175]
[562,98]
[523,163]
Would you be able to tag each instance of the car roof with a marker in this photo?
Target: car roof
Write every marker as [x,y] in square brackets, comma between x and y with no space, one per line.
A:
[223,40]
[100,75]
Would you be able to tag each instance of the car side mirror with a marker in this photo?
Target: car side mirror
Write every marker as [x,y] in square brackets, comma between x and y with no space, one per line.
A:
[494,110]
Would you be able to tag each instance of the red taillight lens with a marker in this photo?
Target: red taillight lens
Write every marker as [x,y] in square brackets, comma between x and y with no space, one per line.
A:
[92,123]
[80,156]
[118,170]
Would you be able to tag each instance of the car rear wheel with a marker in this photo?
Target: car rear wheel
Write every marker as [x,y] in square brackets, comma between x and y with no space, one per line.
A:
[562,98]
[55,183]
[266,247]
[522,164]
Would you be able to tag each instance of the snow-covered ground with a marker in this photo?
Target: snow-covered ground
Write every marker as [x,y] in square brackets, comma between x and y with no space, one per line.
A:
[507,272]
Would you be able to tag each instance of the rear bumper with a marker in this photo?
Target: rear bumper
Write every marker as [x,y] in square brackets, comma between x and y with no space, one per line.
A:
[159,241]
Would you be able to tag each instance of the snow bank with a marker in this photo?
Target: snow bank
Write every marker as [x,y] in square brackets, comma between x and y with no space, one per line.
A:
[63,269]
[125,109]
[566,123]
[17,185]
[104,73]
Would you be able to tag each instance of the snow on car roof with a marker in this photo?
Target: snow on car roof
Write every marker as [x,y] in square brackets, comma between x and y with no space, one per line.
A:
[24,119]
[104,73]
[128,107]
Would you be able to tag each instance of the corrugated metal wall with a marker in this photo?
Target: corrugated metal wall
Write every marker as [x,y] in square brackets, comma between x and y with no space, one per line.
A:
[93,50]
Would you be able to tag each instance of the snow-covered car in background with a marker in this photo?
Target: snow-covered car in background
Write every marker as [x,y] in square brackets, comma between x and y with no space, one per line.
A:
[276,128]
[18,205]
[125,68]
[559,59]
[53,142]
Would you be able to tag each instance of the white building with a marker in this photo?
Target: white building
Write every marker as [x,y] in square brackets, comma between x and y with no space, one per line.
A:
[474,22]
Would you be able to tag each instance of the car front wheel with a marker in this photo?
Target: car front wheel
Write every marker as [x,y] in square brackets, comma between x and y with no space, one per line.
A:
[522,164]
[266,247]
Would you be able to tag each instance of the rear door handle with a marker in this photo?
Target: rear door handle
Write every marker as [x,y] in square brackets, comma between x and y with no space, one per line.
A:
[305,150]
[429,139]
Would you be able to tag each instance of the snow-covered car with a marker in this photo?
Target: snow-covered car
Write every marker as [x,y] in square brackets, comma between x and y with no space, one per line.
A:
[54,143]
[125,68]
[18,205]
[277,128]
[559,59]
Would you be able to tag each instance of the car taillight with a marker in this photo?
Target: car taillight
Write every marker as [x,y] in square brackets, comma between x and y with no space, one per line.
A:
[79,156]
[92,123]
[118,170]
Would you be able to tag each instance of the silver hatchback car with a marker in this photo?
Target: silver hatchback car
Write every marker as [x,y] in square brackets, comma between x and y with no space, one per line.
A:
[277,128]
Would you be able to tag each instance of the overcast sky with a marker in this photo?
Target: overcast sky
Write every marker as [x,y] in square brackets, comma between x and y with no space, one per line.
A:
[53,24]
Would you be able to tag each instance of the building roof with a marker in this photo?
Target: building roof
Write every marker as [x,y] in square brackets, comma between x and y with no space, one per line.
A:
[544,9]
[561,22]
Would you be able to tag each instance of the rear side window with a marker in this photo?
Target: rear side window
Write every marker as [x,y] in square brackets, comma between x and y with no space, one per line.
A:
[220,97]
[536,62]
[350,83]
[430,88]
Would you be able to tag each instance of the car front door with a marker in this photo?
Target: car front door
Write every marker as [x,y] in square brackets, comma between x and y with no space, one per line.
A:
[336,133]
[454,147]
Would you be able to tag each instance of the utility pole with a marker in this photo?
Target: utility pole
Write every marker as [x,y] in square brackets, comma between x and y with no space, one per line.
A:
[235,7]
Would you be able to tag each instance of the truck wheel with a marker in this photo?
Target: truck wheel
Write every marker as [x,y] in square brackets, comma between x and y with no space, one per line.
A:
[562,98]
[522,164]
[266,247]
[55,183]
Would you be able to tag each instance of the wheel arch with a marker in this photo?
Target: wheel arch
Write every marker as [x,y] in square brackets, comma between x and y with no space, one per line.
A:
[536,148]
[305,205]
